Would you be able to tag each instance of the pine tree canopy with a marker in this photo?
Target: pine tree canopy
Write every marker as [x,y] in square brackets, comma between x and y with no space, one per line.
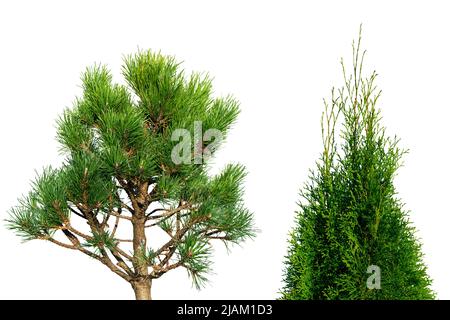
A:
[124,168]
[350,222]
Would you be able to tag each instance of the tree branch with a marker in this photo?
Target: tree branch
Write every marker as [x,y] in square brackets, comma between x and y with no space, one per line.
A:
[75,231]
[169,213]
[105,220]
[159,272]
[76,212]
[155,210]
[115,214]
[59,243]
[123,253]
[177,237]
[116,224]
[126,273]
[121,263]
[125,206]
[130,195]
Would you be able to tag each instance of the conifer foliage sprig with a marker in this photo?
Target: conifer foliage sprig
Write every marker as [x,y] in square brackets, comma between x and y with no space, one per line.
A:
[119,173]
[350,218]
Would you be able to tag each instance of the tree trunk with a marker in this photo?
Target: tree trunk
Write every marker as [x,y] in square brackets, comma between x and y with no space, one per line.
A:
[142,289]
[142,284]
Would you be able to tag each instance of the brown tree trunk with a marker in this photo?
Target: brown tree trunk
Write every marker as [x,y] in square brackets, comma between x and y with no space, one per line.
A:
[142,284]
[139,246]
[142,289]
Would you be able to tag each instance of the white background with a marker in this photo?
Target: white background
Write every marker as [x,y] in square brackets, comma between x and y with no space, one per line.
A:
[279,58]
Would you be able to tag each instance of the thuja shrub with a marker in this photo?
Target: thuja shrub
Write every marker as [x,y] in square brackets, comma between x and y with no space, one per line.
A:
[136,163]
[352,238]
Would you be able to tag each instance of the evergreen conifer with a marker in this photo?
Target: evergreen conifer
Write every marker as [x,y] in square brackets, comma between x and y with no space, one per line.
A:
[352,238]
[136,159]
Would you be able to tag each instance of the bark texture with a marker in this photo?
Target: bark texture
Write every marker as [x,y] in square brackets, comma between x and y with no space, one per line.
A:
[142,289]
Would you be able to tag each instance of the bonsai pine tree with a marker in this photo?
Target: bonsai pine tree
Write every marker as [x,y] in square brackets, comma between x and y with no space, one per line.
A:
[352,238]
[136,164]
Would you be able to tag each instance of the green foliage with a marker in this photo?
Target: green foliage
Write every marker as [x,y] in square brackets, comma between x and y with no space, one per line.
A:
[147,256]
[350,217]
[156,81]
[101,240]
[86,181]
[117,143]
[100,95]
[226,209]
[195,255]
[43,210]
[73,134]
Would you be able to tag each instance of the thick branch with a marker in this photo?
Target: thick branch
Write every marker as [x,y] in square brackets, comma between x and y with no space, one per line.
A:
[130,195]
[104,258]
[158,272]
[121,263]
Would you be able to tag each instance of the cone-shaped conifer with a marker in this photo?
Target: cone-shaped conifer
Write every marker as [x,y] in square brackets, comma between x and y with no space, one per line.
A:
[352,238]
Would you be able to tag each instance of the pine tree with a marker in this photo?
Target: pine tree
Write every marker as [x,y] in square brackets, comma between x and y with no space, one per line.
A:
[136,160]
[352,238]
